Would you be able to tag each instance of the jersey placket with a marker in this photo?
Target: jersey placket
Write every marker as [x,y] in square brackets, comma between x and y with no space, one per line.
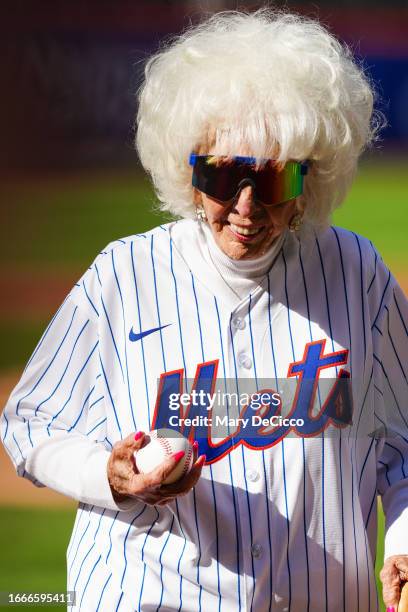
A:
[247,463]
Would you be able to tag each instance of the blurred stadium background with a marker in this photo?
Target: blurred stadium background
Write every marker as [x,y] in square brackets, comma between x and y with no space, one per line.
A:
[70,183]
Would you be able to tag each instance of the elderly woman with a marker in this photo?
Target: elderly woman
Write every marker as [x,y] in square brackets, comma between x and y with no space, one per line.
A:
[251,126]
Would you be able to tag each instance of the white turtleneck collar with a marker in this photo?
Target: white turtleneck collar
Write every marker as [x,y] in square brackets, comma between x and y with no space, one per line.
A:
[241,275]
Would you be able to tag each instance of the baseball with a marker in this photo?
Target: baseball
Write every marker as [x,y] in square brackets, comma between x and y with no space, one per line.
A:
[161,444]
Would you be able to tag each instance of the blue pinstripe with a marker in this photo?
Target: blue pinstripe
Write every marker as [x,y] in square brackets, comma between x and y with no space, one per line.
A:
[79,544]
[103,590]
[263,461]
[211,471]
[400,314]
[50,363]
[362,296]
[125,540]
[18,446]
[375,272]
[185,382]
[89,551]
[78,520]
[142,557]
[113,337]
[89,299]
[87,582]
[64,372]
[110,536]
[110,397]
[237,538]
[365,461]
[391,389]
[125,340]
[43,337]
[393,345]
[73,387]
[303,441]
[140,330]
[82,410]
[88,433]
[157,301]
[98,400]
[161,564]
[346,301]
[382,299]
[245,479]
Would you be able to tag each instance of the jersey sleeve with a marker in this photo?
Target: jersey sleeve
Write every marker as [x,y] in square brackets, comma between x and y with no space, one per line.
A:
[390,371]
[54,423]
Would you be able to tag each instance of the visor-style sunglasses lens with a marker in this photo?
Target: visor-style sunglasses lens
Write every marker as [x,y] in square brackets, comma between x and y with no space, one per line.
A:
[221,181]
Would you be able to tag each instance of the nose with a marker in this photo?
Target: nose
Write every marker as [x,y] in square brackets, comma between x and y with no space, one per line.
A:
[245,203]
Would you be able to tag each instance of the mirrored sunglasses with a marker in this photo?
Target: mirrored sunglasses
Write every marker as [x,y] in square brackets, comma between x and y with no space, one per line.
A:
[223,178]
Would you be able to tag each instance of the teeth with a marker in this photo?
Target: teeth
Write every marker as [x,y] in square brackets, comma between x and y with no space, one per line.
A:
[245,231]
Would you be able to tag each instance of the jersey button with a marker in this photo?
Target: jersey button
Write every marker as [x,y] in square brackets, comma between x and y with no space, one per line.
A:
[257,551]
[238,323]
[244,361]
[252,475]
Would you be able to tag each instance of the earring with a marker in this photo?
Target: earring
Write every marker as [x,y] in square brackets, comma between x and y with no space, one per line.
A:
[200,213]
[295,223]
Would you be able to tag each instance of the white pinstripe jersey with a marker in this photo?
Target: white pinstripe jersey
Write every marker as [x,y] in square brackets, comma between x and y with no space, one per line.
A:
[290,526]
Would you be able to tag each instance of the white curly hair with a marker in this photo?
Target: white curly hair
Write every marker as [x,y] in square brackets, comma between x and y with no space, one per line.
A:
[276,81]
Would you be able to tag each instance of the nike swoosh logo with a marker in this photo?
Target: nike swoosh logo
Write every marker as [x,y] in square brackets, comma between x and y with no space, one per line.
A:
[135,337]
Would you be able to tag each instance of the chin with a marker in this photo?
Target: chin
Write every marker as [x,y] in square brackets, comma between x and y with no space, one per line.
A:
[240,251]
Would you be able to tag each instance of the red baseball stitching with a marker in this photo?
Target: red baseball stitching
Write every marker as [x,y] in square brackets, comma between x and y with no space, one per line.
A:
[167,447]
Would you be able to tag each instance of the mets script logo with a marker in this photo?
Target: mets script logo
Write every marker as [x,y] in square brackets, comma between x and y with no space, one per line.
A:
[336,409]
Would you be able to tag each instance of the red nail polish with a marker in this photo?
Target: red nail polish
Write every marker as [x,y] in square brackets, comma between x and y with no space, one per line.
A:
[391,609]
[195,444]
[205,457]
[179,455]
[138,435]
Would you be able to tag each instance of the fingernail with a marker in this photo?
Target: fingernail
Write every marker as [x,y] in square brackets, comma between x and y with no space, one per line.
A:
[205,457]
[179,455]
[391,609]
[195,444]
[138,435]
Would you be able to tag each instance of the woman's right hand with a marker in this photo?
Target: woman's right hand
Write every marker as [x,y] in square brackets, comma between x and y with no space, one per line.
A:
[126,481]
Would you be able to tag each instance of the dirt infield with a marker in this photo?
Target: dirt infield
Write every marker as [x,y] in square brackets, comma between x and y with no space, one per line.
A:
[43,290]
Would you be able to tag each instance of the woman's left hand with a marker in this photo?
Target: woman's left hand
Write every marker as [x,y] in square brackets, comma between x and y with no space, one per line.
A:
[393,574]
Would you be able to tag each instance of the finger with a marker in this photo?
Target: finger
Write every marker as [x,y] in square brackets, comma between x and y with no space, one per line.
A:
[156,477]
[137,440]
[401,563]
[191,478]
[403,602]
[391,584]
[195,451]
[188,481]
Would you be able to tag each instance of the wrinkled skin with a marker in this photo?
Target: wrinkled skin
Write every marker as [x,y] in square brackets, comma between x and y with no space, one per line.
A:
[244,212]
[125,480]
[393,574]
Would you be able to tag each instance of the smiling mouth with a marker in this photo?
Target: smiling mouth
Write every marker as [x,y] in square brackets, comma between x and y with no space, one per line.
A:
[245,234]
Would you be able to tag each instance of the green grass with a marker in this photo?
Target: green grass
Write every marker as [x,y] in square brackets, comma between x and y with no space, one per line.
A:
[380,553]
[20,338]
[377,207]
[33,545]
[34,542]
[65,221]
